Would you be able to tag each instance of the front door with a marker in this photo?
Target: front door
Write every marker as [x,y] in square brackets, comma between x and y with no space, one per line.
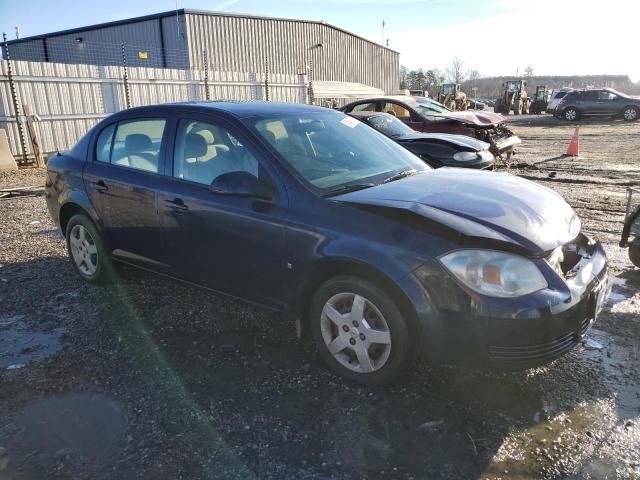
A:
[609,102]
[121,177]
[229,243]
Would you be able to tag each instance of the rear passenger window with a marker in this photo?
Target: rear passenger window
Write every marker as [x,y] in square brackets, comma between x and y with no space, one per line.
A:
[137,144]
[397,111]
[364,107]
[205,151]
[103,145]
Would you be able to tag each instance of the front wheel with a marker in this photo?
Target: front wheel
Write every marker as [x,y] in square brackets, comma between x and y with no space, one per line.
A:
[359,331]
[86,249]
[634,254]
[630,114]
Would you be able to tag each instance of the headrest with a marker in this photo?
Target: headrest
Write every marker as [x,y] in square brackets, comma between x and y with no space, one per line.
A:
[208,136]
[270,136]
[194,146]
[137,143]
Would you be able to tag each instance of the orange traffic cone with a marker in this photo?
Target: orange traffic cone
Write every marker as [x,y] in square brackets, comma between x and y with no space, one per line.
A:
[574,145]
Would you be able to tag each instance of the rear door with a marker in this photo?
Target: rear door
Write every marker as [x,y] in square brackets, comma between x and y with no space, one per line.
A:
[121,181]
[233,244]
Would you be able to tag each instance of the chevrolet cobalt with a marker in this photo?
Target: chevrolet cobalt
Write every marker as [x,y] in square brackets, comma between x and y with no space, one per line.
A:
[309,212]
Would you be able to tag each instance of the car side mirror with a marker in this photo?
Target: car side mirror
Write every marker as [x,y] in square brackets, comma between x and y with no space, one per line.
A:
[241,184]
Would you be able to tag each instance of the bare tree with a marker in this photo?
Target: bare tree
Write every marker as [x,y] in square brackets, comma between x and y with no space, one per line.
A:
[473,75]
[528,72]
[455,72]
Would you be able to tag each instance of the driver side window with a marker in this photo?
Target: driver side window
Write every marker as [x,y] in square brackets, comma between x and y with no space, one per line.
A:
[204,151]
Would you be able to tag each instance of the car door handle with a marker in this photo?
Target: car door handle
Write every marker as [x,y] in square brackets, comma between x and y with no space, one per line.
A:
[100,186]
[176,204]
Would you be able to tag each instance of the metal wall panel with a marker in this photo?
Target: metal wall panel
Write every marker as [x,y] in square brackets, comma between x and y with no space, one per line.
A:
[230,43]
[245,44]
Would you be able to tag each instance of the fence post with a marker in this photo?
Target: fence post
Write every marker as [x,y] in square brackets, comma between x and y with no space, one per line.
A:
[266,77]
[125,78]
[14,99]
[206,74]
[311,97]
[33,137]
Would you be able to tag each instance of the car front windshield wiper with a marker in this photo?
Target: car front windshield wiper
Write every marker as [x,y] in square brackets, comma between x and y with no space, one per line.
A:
[402,174]
[348,188]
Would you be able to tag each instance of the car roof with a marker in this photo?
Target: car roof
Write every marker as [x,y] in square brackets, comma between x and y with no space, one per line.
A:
[240,109]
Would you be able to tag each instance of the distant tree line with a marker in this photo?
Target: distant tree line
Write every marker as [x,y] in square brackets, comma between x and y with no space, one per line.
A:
[429,80]
[491,87]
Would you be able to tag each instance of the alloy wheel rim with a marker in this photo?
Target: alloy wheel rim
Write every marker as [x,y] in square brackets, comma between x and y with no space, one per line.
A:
[83,250]
[355,332]
[630,114]
[570,114]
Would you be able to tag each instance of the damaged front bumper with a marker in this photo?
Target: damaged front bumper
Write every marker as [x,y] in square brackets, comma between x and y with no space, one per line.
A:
[501,139]
[523,332]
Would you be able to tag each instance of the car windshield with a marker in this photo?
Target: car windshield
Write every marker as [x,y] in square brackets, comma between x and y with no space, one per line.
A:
[389,125]
[331,151]
[432,112]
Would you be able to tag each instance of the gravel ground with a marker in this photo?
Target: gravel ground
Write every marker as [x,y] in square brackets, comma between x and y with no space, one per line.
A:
[153,379]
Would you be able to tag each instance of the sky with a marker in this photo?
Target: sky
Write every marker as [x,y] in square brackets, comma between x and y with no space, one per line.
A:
[495,37]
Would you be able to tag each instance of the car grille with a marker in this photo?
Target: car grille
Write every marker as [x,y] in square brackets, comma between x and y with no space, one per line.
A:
[536,354]
[531,353]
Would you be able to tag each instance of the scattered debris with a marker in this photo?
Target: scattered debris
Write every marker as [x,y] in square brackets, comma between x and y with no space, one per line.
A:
[592,344]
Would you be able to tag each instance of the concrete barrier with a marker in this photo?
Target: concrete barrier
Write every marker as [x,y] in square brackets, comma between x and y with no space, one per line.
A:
[7,162]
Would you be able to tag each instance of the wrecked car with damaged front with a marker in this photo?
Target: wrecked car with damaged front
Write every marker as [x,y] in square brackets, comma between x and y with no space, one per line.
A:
[311,213]
[425,115]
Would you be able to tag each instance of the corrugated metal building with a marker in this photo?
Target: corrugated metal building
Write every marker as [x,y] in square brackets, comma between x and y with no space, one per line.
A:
[186,39]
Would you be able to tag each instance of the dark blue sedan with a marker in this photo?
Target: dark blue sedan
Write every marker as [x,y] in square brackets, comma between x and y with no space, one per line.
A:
[307,211]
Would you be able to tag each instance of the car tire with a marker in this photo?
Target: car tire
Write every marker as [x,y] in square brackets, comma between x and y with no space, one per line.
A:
[634,254]
[631,114]
[345,342]
[86,250]
[570,114]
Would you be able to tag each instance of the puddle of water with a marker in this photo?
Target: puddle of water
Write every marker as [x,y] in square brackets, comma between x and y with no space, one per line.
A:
[89,425]
[20,345]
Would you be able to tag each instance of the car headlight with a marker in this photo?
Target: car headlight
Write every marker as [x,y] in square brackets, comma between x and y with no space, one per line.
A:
[493,273]
[465,156]
[486,155]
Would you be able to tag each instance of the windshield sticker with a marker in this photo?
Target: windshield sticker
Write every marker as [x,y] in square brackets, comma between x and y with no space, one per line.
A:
[350,122]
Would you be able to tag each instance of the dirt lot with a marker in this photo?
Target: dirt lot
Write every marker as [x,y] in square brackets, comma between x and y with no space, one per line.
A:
[152,379]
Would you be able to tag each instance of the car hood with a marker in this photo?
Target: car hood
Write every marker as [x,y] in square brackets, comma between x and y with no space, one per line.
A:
[483,207]
[481,118]
[458,140]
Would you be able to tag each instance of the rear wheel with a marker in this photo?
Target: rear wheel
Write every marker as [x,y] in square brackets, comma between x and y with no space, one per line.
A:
[359,331]
[570,114]
[86,249]
[630,113]
[634,254]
